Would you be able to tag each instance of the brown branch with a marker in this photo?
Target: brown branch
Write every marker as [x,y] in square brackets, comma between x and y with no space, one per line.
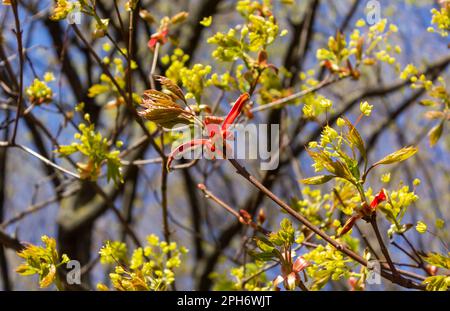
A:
[18,32]
[384,250]
[342,248]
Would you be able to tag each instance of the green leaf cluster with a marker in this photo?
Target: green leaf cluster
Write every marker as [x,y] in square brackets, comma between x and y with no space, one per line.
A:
[43,261]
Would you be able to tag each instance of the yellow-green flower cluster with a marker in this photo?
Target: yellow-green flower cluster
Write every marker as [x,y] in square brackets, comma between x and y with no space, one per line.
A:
[314,105]
[177,62]
[61,9]
[92,145]
[328,136]
[228,48]
[149,268]
[366,49]
[259,31]
[365,108]
[417,81]
[421,227]
[39,92]
[396,207]
[312,204]
[441,20]
[194,80]
[337,51]
[113,252]
[328,263]
[224,81]
[117,68]
[408,71]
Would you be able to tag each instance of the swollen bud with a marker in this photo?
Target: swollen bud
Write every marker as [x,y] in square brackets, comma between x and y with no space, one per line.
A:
[261,216]
[431,269]
[245,218]
[147,16]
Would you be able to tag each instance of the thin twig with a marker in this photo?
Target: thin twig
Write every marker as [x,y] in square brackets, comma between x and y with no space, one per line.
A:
[18,32]
[327,81]
[153,68]
[251,223]
[384,250]
[40,157]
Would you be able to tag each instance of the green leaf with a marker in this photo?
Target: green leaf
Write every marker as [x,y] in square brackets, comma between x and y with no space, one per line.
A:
[355,138]
[262,256]
[286,224]
[317,180]
[438,260]
[398,156]
[427,102]
[67,150]
[265,247]
[97,89]
[25,269]
[436,133]
[337,168]
[342,170]
[437,283]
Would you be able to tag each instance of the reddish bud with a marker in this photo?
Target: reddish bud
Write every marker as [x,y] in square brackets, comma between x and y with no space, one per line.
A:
[349,224]
[352,282]
[262,57]
[300,264]
[246,217]
[431,269]
[380,197]
[261,216]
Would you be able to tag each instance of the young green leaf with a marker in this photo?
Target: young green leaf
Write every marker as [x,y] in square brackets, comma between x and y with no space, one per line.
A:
[438,260]
[398,156]
[317,180]
[355,138]
[436,133]
[437,283]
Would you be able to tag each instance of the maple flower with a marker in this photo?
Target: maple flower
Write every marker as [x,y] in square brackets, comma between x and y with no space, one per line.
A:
[215,131]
